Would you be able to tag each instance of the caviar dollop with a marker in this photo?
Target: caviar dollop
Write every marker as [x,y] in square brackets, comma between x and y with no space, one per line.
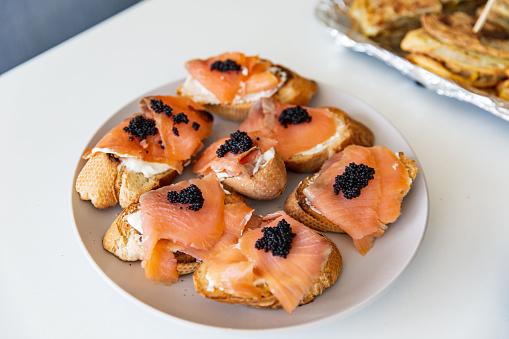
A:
[294,115]
[141,127]
[180,118]
[190,195]
[225,66]
[158,106]
[277,240]
[354,178]
[239,142]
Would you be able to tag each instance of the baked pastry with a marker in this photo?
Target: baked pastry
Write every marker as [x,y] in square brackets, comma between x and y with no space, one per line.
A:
[475,67]
[358,191]
[144,152]
[245,163]
[374,17]
[447,46]
[228,84]
[263,272]
[306,136]
[457,29]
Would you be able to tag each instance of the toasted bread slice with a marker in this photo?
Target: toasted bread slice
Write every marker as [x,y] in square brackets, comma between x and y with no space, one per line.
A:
[106,183]
[327,278]
[299,207]
[350,132]
[295,90]
[124,241]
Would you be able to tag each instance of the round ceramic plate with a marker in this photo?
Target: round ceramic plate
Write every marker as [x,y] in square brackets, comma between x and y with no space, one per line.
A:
[361,281]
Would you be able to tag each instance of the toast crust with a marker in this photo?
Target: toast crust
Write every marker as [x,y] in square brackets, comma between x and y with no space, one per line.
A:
[106,183]
[327,278]
[266,184]
[298,207]
[296,90]
[97,181]
[352,133]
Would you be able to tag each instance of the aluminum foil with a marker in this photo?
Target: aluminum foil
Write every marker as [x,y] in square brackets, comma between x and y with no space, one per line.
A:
[333,14]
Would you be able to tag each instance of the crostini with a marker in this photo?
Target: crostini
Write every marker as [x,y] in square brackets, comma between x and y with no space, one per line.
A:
[229,84]
[144,152]
[246,163]
[280,264]
[305,136]
[173,228]
[358,191]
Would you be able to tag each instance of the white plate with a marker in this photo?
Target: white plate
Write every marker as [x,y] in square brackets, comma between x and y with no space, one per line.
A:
[362,279]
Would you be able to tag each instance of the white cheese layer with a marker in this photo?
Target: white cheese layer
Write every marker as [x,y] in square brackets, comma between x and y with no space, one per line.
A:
[194,89]
[134,219]
[136,165]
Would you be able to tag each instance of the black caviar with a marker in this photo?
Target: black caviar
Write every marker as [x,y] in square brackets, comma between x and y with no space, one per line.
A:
[196,126]
[141,127]
[225,66]
[161,144]
[294,115]
[191,195]
[158,106]
[179,118]
[175,131]
[354,178]
[239,142]
[277,239]
[167,110]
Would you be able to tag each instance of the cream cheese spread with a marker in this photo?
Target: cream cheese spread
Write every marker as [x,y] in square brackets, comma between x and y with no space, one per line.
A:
[136,165]
[134,219]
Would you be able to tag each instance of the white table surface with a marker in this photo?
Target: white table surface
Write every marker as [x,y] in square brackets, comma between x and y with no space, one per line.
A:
[457,286]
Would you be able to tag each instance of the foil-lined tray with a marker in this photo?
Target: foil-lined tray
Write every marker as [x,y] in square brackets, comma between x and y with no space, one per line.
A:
[333,13]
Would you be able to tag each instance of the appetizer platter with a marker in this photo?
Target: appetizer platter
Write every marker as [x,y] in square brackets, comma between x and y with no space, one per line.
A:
[464,84]
[231,214]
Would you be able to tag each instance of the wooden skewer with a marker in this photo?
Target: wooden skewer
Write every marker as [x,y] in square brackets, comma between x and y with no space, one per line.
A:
[482,18]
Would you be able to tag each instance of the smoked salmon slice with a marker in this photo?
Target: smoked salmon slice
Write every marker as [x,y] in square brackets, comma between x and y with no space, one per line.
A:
[233,74]
[240,268]
[234,164]
[190,217]
[292,138]
[236,217]
[156,135]
[161,267]
[364,217]
[233,273]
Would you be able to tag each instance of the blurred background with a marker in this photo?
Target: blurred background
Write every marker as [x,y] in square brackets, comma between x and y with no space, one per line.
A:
[30,27]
